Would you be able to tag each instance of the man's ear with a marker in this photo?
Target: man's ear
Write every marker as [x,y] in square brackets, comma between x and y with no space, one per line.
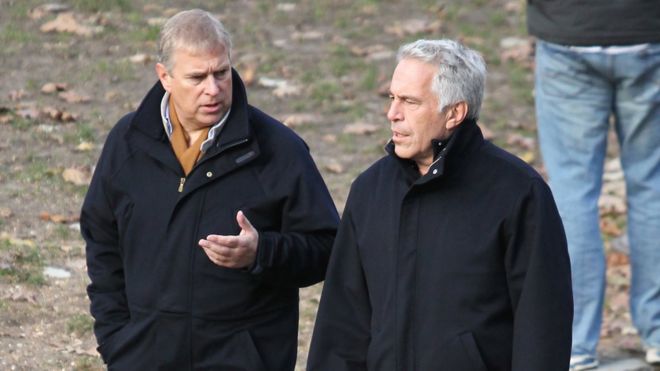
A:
[163,76]
[456,115]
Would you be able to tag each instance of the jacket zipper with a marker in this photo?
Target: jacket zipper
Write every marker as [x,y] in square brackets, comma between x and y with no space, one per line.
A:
[239,142]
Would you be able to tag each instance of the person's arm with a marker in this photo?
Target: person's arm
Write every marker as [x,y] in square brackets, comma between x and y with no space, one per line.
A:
[342,331]
[104,263]
[297,254]
[539,279]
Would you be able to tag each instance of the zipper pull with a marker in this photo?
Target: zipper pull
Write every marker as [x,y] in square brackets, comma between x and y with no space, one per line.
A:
[183,180]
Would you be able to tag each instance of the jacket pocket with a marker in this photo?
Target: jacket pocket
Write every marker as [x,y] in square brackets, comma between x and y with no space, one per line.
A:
[127,343]
[461,354]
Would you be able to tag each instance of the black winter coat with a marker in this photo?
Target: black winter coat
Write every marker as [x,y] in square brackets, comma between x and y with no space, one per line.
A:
[158,301]
[465,268]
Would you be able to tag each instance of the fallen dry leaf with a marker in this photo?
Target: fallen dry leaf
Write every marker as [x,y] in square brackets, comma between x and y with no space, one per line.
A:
[20,293]
[16,95]
[157,22]
[5,119]
[84,147]
[28,112]
[140,58]
[334,167]
[57,114]
[44,9]
[77,176]
[66,22]
[615,259]
[373,52]
[360,128]
[5,212]
[329,138]
[52,87]
[609,227]
[298,119]
[413,27]
[73,97]
[248,73]
[287,91]
[58,218]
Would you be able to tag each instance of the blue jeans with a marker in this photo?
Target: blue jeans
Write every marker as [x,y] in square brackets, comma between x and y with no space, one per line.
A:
[576,94]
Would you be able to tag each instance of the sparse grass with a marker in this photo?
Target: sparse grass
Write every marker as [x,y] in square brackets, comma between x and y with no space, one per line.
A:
[21,123]
[87,363]
[83,132]
[521,82]
[369,78]
[105,69]
[101,5]
[80,324]
[324,92]
[12,35]
[25,263]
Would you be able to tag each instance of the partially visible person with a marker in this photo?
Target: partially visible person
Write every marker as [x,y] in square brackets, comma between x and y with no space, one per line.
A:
[203,218]
[450,254]
[598,62]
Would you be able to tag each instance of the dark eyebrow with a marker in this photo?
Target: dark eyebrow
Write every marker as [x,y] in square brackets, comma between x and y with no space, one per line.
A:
[406,97]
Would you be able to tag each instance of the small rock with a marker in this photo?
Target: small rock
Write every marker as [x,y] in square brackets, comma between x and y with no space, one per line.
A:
[54,272]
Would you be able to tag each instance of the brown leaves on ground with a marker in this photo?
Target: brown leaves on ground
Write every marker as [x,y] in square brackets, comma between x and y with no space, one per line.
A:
[300,119]
[58,218]
[67,22]
[52,87]
[77,176]
[402,29]
[20,293]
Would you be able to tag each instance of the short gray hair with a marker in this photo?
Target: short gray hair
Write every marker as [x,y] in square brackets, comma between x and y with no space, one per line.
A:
[461,74]
[193,30]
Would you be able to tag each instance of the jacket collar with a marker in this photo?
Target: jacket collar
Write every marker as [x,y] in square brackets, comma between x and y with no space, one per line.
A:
[447,154]
[147,121]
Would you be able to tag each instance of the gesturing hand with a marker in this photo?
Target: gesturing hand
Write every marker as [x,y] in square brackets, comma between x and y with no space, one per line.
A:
[233,251]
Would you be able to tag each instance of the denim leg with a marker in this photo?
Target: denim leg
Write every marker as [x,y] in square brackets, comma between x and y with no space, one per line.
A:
[638,128]
[573,105]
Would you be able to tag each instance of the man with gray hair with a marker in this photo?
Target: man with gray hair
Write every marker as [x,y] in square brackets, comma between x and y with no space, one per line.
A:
[451,254]
[203,218]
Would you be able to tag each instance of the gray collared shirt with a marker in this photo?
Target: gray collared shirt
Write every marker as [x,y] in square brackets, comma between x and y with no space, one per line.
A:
[167,124]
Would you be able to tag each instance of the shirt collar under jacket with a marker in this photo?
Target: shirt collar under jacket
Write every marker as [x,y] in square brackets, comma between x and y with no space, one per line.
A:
[440,151]
[213,132]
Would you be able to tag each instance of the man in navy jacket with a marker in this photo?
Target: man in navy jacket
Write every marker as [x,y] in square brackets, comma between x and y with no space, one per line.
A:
[451,254]
[203,218]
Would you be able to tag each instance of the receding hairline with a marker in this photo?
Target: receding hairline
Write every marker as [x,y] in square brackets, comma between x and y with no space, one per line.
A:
[192,31]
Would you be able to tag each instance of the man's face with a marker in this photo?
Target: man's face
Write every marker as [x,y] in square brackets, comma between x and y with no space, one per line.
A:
[200,85]
[413,113]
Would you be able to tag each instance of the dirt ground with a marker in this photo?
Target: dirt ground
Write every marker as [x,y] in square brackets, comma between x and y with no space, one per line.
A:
[70,70]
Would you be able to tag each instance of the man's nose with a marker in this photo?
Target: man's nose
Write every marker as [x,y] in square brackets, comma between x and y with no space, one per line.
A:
[394,112]
[212,85]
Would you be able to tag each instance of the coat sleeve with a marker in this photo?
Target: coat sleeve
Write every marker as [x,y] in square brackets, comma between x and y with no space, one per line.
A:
[298,253]
[104,263]
[539,278]
[342,330]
